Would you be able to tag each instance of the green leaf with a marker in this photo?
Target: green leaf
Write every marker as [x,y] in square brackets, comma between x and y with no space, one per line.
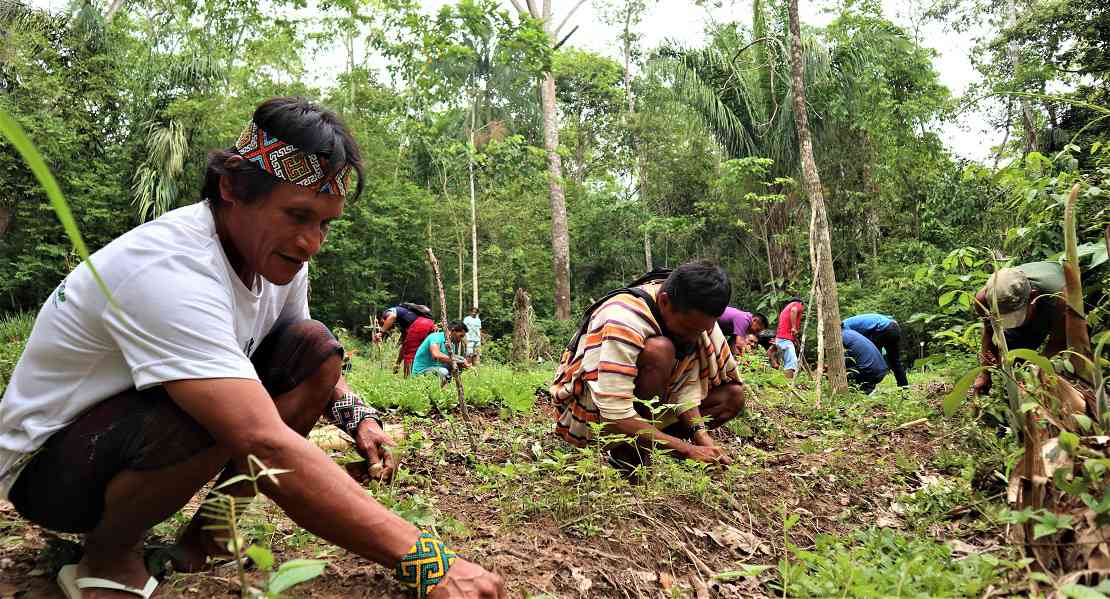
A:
[959,391]
[11,129]
[1084,422]
[1069,441]
[1031,356]
[1040,577]
[1098,256]
[262,557]
[295,572]
[744,571]
[1043,530]
[1078,591]
[947,297]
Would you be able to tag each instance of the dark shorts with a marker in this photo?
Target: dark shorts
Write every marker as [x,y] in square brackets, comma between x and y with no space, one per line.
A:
[62,488]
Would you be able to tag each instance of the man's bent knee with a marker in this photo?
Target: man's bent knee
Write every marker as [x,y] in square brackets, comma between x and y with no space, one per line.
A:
[63,486]
[296,352]
[728,404]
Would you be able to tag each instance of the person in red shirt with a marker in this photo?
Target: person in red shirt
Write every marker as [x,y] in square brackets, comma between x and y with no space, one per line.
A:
[786,335]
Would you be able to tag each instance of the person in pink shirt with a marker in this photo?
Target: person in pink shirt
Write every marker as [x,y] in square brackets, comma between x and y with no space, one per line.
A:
[737,324]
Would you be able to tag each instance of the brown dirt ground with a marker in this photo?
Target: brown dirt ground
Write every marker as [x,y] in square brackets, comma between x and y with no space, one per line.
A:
[655,551]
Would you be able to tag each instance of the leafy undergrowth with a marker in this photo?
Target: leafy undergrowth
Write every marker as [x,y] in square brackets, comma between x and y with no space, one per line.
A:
[864,496]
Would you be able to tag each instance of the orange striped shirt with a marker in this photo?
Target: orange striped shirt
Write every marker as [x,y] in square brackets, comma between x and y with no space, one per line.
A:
[597,382]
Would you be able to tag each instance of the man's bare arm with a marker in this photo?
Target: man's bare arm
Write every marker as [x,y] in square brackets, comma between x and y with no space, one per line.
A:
[317,494]
[647,435]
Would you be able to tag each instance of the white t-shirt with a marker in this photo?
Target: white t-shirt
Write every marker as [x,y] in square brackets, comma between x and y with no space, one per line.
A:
[183,314]
[473,328]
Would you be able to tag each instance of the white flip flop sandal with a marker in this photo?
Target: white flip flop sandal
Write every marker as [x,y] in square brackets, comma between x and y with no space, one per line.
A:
[71,585]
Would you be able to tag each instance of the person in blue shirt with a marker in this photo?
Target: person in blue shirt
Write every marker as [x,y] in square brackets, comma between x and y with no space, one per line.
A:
[437,350]
[884,332]
[866,367]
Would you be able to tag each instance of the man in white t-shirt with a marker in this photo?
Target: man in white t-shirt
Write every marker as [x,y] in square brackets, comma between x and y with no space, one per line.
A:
[121,409]
[473,336]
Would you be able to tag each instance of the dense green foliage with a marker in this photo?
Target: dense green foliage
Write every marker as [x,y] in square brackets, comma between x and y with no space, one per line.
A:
[696,154]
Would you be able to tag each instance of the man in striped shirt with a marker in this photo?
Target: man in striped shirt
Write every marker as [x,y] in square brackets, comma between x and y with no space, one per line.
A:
[660,342]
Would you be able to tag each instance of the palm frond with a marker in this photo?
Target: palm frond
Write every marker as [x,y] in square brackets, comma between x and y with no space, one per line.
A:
[155,187]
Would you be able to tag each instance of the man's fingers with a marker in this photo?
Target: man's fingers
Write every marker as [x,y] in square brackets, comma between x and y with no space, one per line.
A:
[372,456]
[495,588]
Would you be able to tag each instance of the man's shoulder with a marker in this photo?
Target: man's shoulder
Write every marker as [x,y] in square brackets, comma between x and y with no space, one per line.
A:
[628,309]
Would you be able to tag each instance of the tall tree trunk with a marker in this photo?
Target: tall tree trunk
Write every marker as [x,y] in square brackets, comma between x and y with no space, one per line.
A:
[112,8]
[1027,121]
[560,237]
[626,46]
[828,307]
[460,250]
[473,209]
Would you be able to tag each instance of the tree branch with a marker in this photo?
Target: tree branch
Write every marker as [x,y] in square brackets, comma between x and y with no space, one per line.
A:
[564,40]
[555,32]
[535,14]
[456,374]
[520,8]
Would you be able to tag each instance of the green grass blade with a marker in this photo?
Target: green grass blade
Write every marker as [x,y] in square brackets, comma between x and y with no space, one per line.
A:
[11,130]
[956,397]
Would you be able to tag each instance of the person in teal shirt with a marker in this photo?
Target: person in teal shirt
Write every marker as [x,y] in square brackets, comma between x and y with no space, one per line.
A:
[433,356]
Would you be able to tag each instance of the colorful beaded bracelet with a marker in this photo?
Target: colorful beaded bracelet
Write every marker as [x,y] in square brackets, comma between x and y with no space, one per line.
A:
[425,565]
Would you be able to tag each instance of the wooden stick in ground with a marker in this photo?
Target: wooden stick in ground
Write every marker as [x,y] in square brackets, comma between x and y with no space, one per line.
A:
[449,347]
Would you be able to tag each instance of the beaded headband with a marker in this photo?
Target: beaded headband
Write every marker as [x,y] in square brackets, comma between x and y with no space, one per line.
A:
[288,163]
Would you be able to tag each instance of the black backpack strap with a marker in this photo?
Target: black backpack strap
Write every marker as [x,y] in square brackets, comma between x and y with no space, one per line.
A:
[583,328]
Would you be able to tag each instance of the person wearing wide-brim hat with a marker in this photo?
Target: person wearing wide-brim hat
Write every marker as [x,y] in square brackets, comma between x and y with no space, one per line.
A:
[1030,310]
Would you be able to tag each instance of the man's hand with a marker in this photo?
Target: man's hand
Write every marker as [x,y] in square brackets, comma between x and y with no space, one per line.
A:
[710,454]
[372,441]
[466,580]
[982,385]
[703,439]
[396,367]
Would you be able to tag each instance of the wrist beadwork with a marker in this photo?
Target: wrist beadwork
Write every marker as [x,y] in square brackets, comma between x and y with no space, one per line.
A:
[425,565]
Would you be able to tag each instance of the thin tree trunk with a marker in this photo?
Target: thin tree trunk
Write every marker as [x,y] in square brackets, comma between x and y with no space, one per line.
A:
[6,213]
[473,210]
[649,264]
[450,351]
[828,308]
[522,328]
[560,237]
[112,8]
[460,247]
[1027,122]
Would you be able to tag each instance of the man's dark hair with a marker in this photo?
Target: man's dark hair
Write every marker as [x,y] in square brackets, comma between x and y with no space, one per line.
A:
[456,326]
[297,121]
[699,285]
[762,318]
[765,337]
[794,297]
